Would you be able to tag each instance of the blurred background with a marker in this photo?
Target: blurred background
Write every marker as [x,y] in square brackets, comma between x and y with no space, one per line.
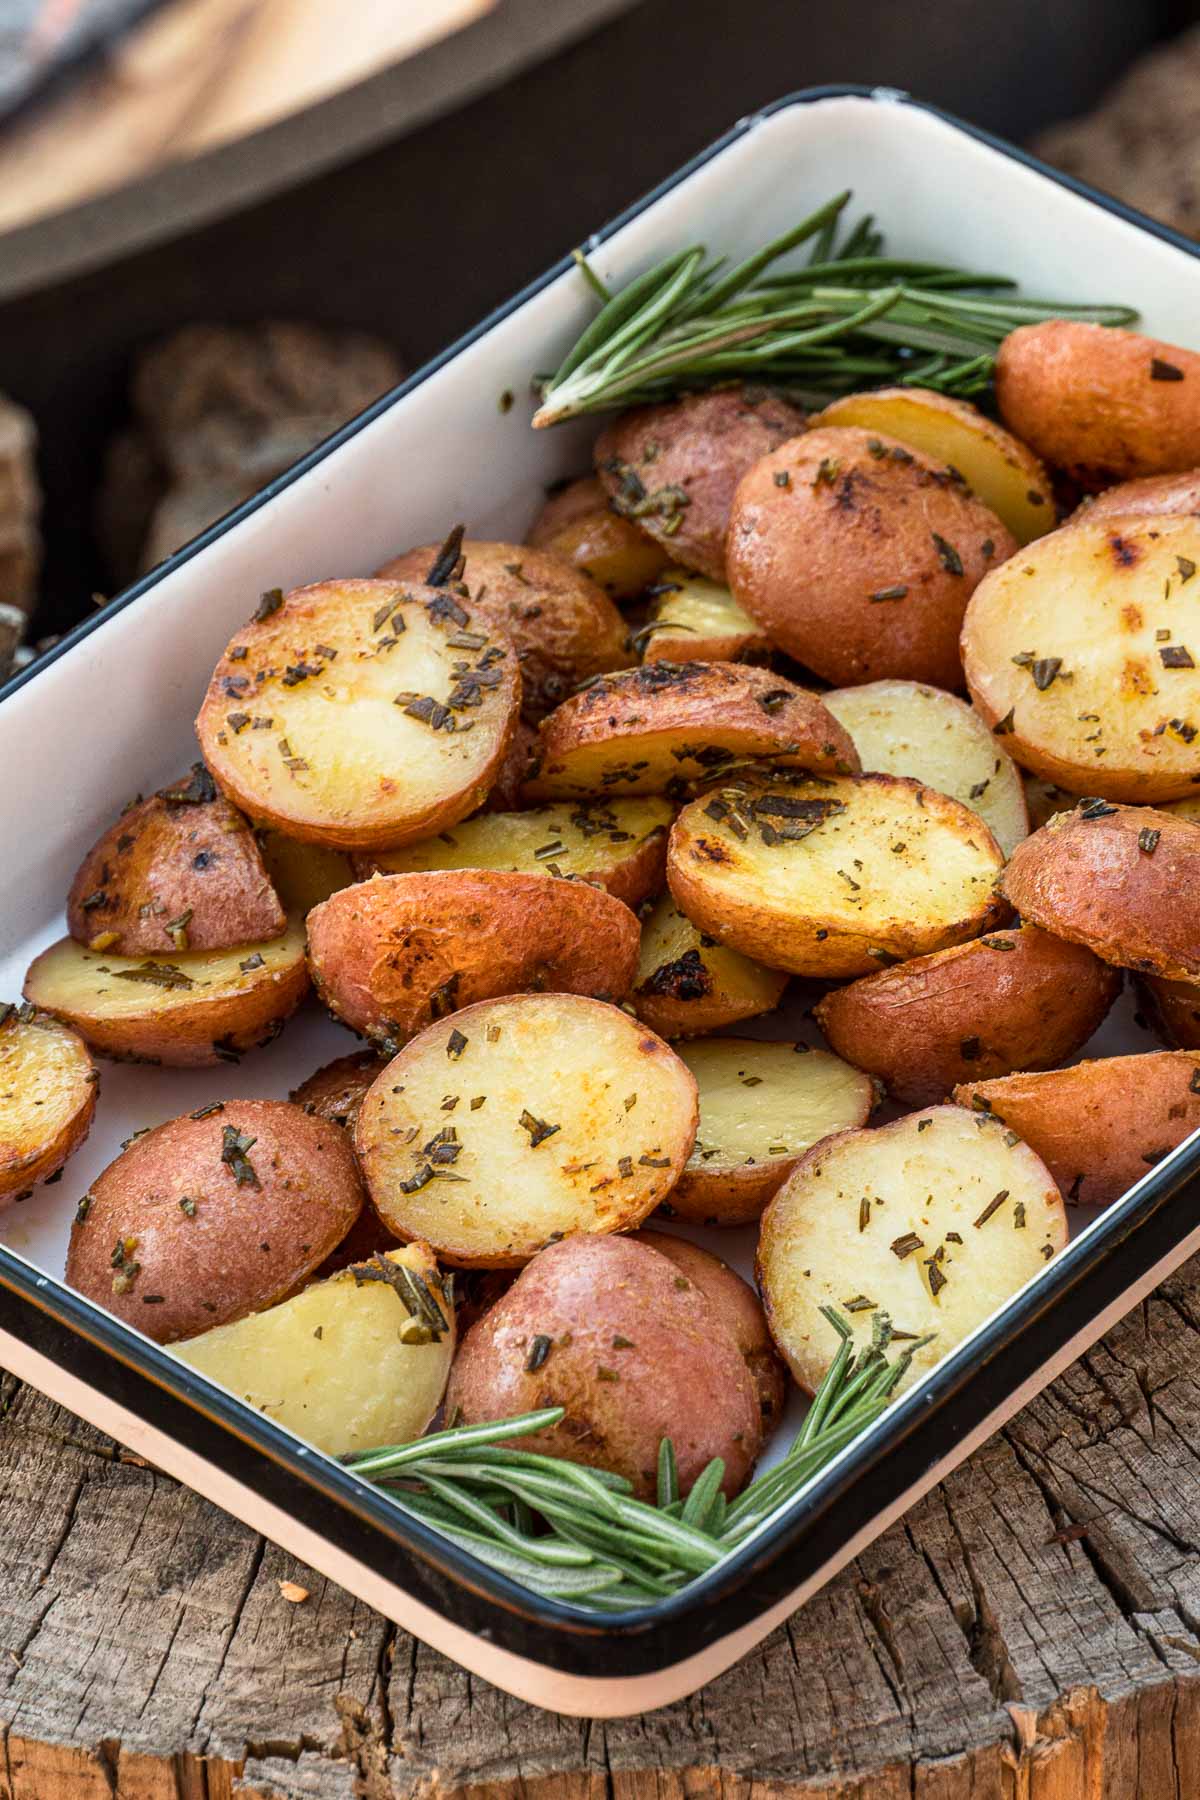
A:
[226,225]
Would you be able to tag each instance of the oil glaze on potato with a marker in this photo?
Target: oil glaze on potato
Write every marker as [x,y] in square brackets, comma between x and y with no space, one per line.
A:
[180,871]
[650,730]
[906,728]
[1098,1126]
[394,953]
[688,984]
[694,619]
[673,468]
[1083,655]
[47,1097]
[1123,880]
[347,1364]
[621,844]
[762,1105]
[212,1216]
[338,714]
[580,525]
[335,1091]
[186,1010]
[1016,999]
[1103,404]
[834,877]
[935,1220]
[857,556]
[997,467]
[630,1348]
[521,1120]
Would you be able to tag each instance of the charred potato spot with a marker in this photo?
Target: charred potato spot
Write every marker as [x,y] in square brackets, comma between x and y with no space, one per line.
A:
[47,1097]
[687,983]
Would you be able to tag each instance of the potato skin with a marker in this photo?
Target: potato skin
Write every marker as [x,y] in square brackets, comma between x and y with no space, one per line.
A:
[580,525]
[1017,999]
[1173,1010]
[678,1372]
[674,467]
[170,859]
[861,515]
[1098,1126]
[1086,877]
[505,792]
[562,627]
[335,1091]
[1101,403]
[1153,496]
[48,1087]
[383,950]
[243,1247]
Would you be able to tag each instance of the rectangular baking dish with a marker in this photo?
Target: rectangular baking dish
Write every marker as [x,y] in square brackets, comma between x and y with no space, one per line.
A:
[108,713]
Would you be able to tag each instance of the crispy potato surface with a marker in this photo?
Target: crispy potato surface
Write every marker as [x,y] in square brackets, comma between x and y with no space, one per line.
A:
[935,1220]
[47,1097]
[688,984]
[694,619]
[521,1120]
[580,525]
[832,877]
[340,713]
[858,555]
[188,1010]
[393,954]
[335,1091]
[1080,653]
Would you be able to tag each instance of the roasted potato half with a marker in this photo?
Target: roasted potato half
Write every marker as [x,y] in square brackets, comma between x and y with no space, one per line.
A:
[858,555]
[1002,471]
[47,1097]
[1016,999]
[1098,1126]
[335,1091]
[673,468]
[210,1217]
[651,730]
[694,619]
[1102,404]
[688,984]
[1123,880]
[1154,496]
[935,1220]
[188,1010]
[761,1107]
[522,1120]
[1080,653]
[832,877]
[579,525]
[621,844]
[340,713]
[906,728]
[180,871]
[348,1364]
[393,954]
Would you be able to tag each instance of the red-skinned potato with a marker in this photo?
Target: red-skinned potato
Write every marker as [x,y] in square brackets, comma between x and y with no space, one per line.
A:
[579,524]
[47,1097]
[335,1091]
[1152,496]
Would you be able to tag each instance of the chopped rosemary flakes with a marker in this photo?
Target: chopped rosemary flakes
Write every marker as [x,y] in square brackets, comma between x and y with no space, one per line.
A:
[456,1043]
[539,1349]
[1148,838]
[163,975]
[860,1303]
[992,1206]
[948,556]
[538,1129]
[235,1148]
[904,1246]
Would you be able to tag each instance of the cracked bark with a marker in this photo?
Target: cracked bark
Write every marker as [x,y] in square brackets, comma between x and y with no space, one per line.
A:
[1031,1631]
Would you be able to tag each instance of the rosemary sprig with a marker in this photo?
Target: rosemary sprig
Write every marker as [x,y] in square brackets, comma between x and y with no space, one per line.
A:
[579,1534]
[848,318]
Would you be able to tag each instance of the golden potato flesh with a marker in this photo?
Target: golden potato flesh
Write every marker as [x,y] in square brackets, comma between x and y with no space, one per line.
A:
[688,984]
[580,525]
[303,875]
[47,1097]
[694,619]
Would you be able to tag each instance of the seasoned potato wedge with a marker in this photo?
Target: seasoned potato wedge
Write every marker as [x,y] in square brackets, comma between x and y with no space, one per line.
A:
[935,1220]
[633,1351]
[339,714]
[47,1097]
[1017,999]
[761,1107]
[303,874]
[180,871]
[213,1216]
[858,555]
[1172,1009]
[1101,403]
[1124,880]
[1082,655]
[1002,471]
[393,954]
[1098,1126]
[621,844]
[688,984]
[335,1091]
[694,619]
[347,1364]
[579,524]
[1154,496]
[906,728]
[832,877]
[673,468]
[650,730]
[186,1010]
[567,1116]
[561,626]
